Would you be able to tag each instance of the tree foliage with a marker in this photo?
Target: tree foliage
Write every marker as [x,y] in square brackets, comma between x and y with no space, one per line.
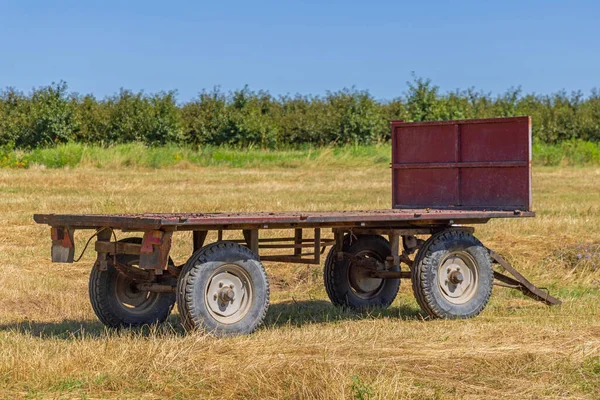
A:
[51,115]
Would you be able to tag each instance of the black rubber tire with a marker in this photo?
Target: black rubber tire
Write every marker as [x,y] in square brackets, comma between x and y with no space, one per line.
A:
[109,309]
[336,274]
[193,283]
[425,275]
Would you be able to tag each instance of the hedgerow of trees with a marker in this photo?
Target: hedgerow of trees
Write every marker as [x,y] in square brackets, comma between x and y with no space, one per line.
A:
[51,115]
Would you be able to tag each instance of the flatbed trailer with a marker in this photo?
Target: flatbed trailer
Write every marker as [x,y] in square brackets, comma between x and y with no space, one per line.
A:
[446,176]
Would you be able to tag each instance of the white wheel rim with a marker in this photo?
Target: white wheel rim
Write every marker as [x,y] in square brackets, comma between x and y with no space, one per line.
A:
[458,277]
[229,294]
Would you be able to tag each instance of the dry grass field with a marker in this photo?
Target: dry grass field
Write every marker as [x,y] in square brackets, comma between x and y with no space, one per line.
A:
[52,346]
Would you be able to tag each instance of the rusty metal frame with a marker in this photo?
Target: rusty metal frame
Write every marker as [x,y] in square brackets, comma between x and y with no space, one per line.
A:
[298,243]
[199,237]
[103,246]
[520,282]
[154,252]
[394,236]
[103,236]
[378,219]
[251,238]
[155,247]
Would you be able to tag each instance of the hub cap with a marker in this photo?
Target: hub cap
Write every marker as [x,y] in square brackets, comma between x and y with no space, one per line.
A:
[361,282]
[458,278]
[130,298]
[229,294]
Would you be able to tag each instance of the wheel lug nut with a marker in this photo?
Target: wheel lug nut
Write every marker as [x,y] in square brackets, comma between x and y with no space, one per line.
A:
[231,286]
[220,284]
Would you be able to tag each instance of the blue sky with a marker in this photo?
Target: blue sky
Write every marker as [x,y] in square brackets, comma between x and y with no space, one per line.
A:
[289,47]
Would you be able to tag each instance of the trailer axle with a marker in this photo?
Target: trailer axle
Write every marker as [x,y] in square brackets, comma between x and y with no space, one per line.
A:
[155,287]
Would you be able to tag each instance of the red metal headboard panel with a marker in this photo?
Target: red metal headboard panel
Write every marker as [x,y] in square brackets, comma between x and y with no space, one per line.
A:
[472,164]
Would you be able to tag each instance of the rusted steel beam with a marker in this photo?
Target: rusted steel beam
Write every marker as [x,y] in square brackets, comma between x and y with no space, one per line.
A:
[174,270]
[401,232]
[118,247]
[297,241]
[524,119]
[150,239]
[506,281]
[317,246]
[264,240]
[263,243]
[156,287]
[289,246]
[481,164]
[526,287]
[339,243]
[63,248]
[137,274]
[251,237]
[154,253]
[391,274]
[275,240]
[198,239]
[406,260]
[104,235]
[421,219]
[290,259]
[395,219]
[394,238]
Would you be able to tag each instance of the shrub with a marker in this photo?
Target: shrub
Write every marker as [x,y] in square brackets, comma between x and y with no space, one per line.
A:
[50,115]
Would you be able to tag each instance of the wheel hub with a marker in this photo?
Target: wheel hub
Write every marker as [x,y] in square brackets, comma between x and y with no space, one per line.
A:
[229,294]
[130,297]
[360,278]
[226,295]
[457,277]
